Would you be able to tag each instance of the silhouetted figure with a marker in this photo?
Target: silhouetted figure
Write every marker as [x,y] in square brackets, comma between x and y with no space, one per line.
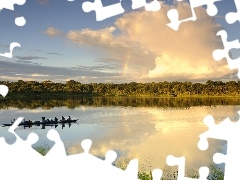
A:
[56,119]
[13,121]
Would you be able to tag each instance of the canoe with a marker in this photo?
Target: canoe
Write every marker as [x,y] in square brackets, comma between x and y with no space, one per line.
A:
[50,122]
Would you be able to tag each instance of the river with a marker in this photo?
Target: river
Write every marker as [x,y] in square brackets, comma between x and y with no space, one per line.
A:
[148,133]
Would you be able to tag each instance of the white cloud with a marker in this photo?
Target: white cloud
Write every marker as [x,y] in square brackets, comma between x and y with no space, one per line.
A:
[118,48]
[38,75]
[147,48]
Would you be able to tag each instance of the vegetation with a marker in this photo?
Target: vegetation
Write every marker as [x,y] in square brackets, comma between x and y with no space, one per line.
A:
[154,89]
[42,149]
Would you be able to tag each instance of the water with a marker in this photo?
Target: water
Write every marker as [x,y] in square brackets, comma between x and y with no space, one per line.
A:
[147,133]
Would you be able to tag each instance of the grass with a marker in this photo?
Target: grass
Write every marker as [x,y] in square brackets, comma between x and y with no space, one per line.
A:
[215,173]
[42,149]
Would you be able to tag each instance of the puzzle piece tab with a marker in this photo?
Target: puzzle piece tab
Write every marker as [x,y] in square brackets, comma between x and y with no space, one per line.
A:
[94,168]
[157,174]
[103,13]
[232,17]
[3,90]
[58,149]
[152,6]
[180,162]
[229,131]
[9,4]
[173,14]
[12,46]
[224,53]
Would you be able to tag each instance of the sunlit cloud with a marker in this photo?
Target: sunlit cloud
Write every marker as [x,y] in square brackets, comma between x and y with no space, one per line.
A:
[148,49]
[53,32]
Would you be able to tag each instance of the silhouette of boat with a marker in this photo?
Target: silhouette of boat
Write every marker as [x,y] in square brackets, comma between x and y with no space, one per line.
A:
[48,122]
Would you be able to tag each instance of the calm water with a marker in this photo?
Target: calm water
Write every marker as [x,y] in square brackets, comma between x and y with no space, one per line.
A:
[146,133]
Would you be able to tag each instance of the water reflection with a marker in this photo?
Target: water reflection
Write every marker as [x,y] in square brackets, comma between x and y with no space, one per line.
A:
[75,102]
[146,133]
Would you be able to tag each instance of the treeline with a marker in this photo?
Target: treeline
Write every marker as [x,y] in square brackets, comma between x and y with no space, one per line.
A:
[71,103]
[154,89]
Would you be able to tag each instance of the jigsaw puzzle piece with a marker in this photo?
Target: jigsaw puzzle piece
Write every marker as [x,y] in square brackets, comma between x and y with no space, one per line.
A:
[152,6]
[173,14]
[103,13]
[157,174]
[231,160]
[20,144]
[3,90]
[21,151]
[226,130]
[95,168]
[12,46]
[9,4]
[180,162]
[219,54]
[223,131]
[58,149]
[232,17]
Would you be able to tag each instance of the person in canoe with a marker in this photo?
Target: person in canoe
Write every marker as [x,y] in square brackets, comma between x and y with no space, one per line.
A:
[63,119]
[13,121]
[56,119]
[69,118]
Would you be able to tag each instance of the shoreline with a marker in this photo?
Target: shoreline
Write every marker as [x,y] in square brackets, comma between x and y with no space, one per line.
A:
[51,96]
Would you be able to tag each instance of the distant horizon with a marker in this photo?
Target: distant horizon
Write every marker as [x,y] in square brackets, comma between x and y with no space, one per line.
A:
[204,81]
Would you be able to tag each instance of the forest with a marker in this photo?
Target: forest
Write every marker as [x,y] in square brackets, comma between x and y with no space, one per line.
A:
[22,88]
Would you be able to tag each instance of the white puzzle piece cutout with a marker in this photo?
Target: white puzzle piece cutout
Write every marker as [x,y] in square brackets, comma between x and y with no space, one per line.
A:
[3,90]
[232,17]
[151,6]
[102,12]
[229,131]
[12,46]
[9,4]
[19,21]
[219,54]
[21,161]
[180,162]
[174,16]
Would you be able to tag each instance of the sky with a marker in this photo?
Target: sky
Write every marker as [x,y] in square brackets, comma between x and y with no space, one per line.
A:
[61,42]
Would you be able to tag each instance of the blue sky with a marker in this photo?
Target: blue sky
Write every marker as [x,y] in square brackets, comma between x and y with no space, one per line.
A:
[61,42]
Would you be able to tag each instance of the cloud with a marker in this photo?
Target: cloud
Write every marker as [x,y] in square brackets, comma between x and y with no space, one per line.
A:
[53,32]
[39,75]
[54,53]
[15,71]
[147,49]
[117,48]
[29,58]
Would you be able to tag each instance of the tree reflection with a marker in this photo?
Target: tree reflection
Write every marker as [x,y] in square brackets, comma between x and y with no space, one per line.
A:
[74,102]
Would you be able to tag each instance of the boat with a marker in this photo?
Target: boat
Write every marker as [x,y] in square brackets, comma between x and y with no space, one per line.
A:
[43,122]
